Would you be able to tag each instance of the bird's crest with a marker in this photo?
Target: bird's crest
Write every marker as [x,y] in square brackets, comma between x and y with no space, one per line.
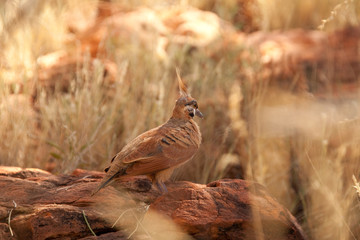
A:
[182,86]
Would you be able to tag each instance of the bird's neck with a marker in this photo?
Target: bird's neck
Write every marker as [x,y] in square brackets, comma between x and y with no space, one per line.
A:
[184,122]
[177,120]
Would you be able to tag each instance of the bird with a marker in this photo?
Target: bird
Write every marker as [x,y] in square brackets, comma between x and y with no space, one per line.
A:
[157,152]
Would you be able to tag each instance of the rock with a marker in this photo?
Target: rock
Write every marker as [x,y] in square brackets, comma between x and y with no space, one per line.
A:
[57,70]
[4,231]
[228,209]
[243,15]
[107,236]
[316,62]
[55,207]
[324,64]
[155,31]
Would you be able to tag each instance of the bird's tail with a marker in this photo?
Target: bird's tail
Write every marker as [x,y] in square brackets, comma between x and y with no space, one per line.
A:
[106,180]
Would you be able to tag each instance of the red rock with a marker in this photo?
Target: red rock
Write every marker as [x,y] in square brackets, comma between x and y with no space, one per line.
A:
[107,236]
[244,13]
[17,172]
[57,70]
[51,207]
[5,231]
[227,209]
[325,64]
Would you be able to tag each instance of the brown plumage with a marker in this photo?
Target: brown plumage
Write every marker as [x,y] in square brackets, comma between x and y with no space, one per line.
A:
[157,152]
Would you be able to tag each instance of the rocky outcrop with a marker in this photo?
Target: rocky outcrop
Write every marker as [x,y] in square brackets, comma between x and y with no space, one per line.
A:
[35,204]
[316,62]
[324,64]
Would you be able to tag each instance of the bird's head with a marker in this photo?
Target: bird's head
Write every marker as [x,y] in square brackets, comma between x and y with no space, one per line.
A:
[186,107]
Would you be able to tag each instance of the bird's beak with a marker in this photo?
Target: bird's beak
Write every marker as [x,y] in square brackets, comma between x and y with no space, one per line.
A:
[198,113]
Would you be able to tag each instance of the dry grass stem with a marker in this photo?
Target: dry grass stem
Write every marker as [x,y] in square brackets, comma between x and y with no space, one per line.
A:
[356,186]
[87,223]
[9,218]
[345,5]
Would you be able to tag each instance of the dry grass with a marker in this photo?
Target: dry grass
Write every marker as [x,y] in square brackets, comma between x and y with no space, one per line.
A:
[304,151]
[308,14]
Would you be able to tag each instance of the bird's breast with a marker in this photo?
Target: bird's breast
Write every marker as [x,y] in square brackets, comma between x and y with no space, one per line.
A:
[183,134]
[193,132]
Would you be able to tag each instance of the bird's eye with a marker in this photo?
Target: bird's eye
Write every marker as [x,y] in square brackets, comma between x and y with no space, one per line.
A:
[192,103]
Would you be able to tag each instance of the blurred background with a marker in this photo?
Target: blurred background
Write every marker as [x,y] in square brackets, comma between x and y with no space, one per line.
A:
[277,81]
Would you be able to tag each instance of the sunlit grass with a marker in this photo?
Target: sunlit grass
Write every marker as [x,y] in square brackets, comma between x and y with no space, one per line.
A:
[308,14]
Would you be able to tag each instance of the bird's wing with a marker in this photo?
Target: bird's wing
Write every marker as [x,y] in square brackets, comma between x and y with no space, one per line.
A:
[170,148]
[151,152]
[138,148]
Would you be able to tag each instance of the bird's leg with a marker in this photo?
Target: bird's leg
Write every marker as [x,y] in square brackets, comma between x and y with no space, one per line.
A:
[161,186]
[164,187]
